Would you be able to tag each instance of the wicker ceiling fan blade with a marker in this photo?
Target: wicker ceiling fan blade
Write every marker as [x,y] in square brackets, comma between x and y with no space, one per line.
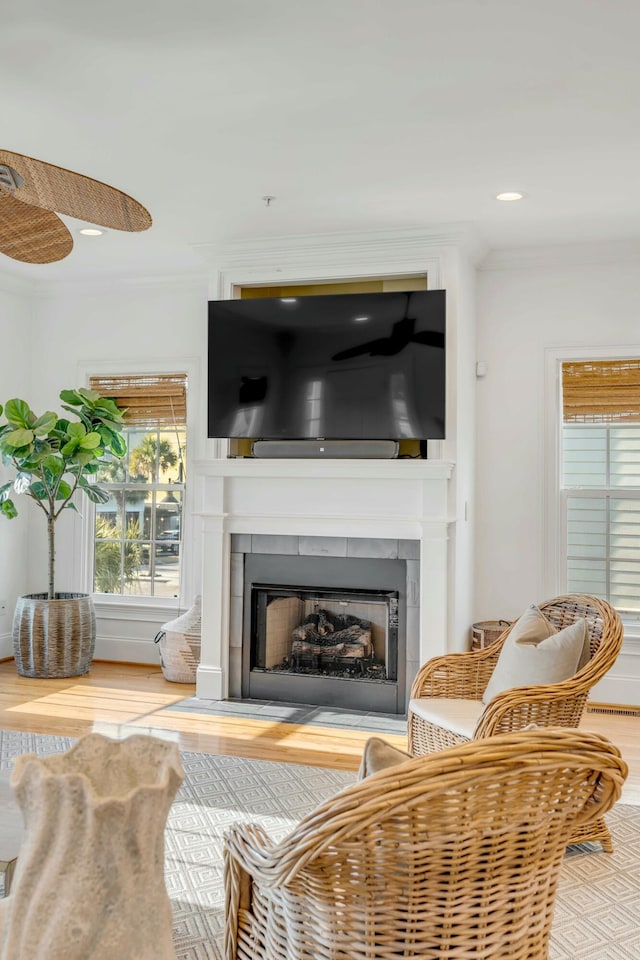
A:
[54,188]
[30,234]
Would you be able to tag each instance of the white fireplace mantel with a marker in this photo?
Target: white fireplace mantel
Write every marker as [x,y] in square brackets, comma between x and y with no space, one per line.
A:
[387,499]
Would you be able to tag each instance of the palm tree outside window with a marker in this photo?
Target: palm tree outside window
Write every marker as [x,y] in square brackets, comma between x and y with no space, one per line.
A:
[138,532]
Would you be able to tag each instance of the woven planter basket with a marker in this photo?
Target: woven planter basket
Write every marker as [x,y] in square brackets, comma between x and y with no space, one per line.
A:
[179,644]
[54,638]
[485,632]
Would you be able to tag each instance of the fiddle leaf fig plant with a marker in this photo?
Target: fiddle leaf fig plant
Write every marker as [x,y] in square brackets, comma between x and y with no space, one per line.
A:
[55,456]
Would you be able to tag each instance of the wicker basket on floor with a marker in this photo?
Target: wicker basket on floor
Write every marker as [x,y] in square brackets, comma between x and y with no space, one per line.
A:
[485,632]
[179,644]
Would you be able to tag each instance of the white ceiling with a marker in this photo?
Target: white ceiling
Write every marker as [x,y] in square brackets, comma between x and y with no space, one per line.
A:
[356,115]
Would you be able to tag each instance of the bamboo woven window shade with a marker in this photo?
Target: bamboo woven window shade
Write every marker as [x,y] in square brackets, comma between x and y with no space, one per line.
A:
[158,400]
[601,391]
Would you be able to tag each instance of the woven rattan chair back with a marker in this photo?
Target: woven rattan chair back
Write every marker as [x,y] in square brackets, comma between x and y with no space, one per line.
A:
[465,675]
[456,854]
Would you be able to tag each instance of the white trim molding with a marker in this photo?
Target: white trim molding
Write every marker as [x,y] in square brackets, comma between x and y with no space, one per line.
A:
[318,257]
[622,683]
[355,499]
[6,645]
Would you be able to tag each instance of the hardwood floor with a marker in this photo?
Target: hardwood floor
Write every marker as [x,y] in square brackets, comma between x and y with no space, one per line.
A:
[116,699]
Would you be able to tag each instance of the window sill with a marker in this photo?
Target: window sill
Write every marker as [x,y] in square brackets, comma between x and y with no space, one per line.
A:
[116,607]
[632,631]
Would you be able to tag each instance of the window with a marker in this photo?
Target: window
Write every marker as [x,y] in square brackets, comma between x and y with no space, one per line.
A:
[137,542]
[600,485]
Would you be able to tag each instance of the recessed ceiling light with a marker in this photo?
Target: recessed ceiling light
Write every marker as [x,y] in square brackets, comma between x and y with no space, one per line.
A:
[361,319]
[509,195]
[91,232]
[288,299]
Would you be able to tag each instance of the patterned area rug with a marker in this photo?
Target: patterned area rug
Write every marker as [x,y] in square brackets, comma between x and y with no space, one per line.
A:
[597,907]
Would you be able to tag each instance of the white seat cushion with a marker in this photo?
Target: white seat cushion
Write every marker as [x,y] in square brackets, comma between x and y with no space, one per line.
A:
[458,716]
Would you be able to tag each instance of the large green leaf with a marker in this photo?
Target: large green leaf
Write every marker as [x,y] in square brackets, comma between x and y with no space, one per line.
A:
[33,461]
[63,491]
[108,405]
[94,492]
[82,458]
[8,509]
[18,412]
[77,430]
[89,396]
[70,448]
[39,490]
[44,424]
[118,445]
[54,464]
[71,396]
[61,427]
[21,437]
[91,441]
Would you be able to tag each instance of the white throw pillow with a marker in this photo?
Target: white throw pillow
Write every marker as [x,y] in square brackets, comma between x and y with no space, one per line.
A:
[378,755]
[535,653]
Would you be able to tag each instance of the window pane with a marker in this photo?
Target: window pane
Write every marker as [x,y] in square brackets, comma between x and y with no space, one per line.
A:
[625,585]
[157,456]
[584,456]
[138,531]
[142,456]
[112,471]
[587,527]
[625,456]
[116,554]
[587,576]
[625,529]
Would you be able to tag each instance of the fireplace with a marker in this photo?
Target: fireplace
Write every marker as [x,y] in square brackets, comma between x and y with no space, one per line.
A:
[325,633]
[325,630]
[341,510]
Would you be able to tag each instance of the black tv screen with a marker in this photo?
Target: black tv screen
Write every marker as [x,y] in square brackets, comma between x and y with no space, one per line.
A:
[338,367]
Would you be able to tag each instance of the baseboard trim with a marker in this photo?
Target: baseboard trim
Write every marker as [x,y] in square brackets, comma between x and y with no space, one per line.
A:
[6,646]
[622,691]
[211,683]
[127,650]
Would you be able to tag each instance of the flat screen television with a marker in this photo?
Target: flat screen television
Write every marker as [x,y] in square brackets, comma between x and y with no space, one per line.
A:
[337,367]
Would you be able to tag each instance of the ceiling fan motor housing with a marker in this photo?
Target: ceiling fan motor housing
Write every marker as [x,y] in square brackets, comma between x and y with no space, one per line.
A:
[10,179]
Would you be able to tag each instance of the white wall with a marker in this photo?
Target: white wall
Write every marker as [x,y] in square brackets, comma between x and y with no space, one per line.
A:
[80,328]
[156,325]
[522,311]
[15,381]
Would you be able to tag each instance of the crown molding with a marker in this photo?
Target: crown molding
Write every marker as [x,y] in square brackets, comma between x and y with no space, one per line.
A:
[85,286]
[562,255]
[399,245]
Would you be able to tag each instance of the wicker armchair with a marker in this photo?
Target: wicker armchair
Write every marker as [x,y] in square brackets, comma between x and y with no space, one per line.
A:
[455,853]
[463,677]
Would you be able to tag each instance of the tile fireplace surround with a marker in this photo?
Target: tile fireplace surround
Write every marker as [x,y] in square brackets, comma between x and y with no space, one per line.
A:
[343,500]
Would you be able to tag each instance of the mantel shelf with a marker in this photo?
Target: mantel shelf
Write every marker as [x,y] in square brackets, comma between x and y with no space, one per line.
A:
[332,469]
